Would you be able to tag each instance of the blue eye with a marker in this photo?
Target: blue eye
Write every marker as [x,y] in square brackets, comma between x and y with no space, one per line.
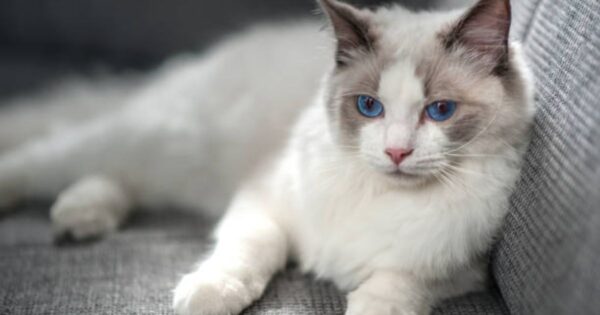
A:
[369,107]
[441,110]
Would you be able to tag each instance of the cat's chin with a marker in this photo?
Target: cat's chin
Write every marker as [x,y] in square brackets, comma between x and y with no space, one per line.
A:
[405,179]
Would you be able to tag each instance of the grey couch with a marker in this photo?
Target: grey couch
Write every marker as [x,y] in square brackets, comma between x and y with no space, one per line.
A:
[546,261]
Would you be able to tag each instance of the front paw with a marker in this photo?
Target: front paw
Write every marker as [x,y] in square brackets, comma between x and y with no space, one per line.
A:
[214,292]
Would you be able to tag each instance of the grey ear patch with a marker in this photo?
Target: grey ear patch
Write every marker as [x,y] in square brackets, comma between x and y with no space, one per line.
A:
[352,28]
[484,33]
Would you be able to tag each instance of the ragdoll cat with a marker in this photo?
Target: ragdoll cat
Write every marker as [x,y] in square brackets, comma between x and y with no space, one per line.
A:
[381,160]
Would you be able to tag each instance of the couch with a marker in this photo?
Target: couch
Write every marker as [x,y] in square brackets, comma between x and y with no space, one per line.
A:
[545,261]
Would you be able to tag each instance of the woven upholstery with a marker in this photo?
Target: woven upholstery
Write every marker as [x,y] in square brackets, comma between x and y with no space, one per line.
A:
[134,271]
[547,261]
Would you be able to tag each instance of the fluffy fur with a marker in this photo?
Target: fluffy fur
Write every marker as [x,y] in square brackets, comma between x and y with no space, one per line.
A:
[273,110]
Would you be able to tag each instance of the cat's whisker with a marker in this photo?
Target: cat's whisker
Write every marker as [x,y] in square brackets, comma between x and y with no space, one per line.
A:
[429,160]
[443,179]
[478,155]
[457,181]
[474,173]
[433,157]
[463,170]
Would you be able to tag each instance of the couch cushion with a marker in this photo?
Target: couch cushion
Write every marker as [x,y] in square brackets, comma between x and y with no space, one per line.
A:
[134,271]
[547,259]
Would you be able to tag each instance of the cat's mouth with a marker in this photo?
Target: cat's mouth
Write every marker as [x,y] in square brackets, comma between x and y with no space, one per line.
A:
[408,178]
[399,173]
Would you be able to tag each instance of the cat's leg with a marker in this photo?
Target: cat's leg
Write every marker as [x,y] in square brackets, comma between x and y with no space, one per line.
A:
[93,206]
[46,167]
[250,248]
[390,293]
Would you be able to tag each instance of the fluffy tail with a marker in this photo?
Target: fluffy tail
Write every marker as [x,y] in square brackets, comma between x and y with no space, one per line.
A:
[59,106]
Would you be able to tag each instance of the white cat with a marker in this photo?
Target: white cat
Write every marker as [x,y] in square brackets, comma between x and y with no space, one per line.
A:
[387,171]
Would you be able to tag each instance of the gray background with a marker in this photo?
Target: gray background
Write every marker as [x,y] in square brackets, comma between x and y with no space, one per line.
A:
[40,39]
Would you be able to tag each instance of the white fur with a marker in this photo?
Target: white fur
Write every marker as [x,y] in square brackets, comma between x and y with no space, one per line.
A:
[91,207]
[186,137]
[201,127]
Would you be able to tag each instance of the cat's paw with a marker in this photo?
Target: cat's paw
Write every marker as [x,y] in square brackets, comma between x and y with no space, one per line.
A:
[81,218]
[89,209]
[214,292]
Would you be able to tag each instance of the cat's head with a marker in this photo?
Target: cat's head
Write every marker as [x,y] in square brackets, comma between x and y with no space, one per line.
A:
[415,95]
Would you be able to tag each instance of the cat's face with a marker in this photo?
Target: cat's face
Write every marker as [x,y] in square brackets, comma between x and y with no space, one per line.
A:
[416,95]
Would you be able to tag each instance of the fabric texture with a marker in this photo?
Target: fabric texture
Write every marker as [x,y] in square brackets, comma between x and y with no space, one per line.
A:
[547,260]
[133,272]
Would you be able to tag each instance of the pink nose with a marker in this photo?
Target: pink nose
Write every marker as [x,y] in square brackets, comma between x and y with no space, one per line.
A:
[398,155]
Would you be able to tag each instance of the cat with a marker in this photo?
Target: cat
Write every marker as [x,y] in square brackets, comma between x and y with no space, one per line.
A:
[380,158]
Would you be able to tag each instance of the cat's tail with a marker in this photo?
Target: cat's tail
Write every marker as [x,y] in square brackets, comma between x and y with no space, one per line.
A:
[71,101]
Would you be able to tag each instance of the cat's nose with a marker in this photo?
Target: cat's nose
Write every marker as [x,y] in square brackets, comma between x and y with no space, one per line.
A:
[398,155]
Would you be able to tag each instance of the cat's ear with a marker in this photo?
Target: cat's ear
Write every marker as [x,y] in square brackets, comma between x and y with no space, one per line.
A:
[484,32]
[352,28]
